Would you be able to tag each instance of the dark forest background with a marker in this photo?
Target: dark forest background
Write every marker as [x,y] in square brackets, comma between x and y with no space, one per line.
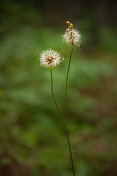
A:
[31,140]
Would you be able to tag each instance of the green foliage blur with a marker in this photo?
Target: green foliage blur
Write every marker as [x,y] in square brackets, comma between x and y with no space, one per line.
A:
[31,139]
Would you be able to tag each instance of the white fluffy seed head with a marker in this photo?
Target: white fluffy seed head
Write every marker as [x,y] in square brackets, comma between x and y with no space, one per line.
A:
[50,58]
[72,37]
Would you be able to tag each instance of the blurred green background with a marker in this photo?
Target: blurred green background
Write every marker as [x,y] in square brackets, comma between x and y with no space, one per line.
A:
[32,142]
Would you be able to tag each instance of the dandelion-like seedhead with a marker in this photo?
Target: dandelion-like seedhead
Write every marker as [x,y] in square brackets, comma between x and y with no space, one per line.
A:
[71,36]
[50,58]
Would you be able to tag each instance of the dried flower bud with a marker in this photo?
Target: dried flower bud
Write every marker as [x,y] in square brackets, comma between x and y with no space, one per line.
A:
[70,25]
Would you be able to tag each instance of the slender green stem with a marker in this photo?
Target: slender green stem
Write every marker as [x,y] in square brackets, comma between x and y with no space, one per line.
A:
[66,86]
[52,91]
[64,124]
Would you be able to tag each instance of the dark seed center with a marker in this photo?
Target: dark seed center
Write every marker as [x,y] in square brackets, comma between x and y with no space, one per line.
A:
[49,59]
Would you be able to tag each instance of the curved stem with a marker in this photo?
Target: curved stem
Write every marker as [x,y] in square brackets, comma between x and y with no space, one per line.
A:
[64,124]
[66,86]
